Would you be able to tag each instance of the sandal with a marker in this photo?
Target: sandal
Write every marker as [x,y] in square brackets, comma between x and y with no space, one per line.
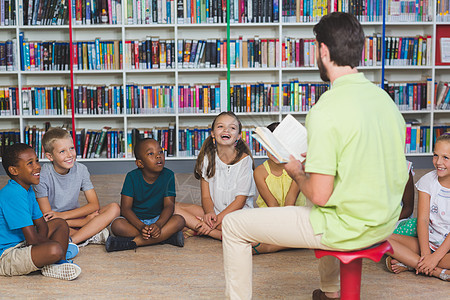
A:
[254,248]
[444,276]
[389,265]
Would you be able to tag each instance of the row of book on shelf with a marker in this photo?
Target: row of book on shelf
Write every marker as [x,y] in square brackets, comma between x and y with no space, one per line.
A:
[411,95]
[155,53]
[409,11]
[215,11]
[7,12]
[150,53]
[97,55]
[43,55]
[110,142]
[442,11]
[418,138]
[295,96]
[8,50]
[45,12]
[56,12]
[87,12]
[408,51]
[442,95]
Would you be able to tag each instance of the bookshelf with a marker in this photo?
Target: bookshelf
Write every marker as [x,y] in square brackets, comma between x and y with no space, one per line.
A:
[167,96]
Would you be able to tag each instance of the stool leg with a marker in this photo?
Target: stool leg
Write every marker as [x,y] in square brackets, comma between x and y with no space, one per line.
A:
[351,280]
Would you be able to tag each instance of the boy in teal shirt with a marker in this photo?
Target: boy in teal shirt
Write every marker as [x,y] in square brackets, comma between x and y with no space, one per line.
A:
[147,203]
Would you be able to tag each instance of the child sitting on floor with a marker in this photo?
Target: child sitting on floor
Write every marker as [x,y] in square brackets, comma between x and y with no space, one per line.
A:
[59,188]
[407,225]
[428,253]
[276,189]
[27,242]
[224,166]
[147,203]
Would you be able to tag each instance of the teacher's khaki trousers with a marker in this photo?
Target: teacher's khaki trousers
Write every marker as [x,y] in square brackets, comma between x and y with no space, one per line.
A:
[283,226]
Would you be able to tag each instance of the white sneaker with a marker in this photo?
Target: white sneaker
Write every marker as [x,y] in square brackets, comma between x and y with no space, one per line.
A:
[62,270]
[99,239]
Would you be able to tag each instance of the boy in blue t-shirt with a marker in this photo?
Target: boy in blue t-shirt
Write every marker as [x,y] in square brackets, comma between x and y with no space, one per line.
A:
[147,203]
[27,242]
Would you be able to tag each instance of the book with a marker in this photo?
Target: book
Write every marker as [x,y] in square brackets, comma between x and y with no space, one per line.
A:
[101,141]
[289,138]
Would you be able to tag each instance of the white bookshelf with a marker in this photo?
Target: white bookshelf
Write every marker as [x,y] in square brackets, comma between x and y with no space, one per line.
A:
[178,75]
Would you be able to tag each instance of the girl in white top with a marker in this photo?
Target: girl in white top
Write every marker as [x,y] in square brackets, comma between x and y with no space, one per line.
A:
[225,169]
[429,252]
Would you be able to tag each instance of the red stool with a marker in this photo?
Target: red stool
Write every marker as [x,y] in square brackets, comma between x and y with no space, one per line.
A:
[351,265]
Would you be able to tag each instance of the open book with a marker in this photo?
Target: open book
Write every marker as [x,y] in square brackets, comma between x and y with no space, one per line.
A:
[289,138]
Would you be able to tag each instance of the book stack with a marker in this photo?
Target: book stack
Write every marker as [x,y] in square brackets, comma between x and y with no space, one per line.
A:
[295,11]
[363,10]
[371,55]
[439,130]
[8,137]
[409,11]
[8,57]
[150,11]
[215,11]
[87,12]
[442,11]
[210,53]
[145,99]
[301,96]
[254,97]
[254,52]
[45,12]
[164,135]
[107,142]
[9,103]
[298,52]
[442,95]
[43,56]
[46,100]
[8,13]
[191,140]
[33,138]
[417,138]
[98,100]
[255,147]
[261,11]
[97,55]
[408,51]
[410,95]
[202,98]
[151,53]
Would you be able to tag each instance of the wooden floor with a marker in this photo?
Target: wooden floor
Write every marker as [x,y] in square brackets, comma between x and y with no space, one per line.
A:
[196,271]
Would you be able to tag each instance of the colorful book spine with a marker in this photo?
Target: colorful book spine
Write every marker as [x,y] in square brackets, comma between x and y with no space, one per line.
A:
[98,100]
[145,99]
[9,101]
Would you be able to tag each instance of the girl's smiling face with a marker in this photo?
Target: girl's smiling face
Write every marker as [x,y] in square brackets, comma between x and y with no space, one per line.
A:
[226,130]
[441,158]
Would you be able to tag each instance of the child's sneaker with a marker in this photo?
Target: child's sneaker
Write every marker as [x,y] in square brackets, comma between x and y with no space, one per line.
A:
[99,239]
[72,251]
[62,270]
[177,239]
[119,243]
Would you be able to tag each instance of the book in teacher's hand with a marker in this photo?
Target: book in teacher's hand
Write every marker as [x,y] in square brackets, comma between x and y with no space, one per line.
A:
[289,138]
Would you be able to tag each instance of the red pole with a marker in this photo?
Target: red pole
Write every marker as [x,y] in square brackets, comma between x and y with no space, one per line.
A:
[72,100]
